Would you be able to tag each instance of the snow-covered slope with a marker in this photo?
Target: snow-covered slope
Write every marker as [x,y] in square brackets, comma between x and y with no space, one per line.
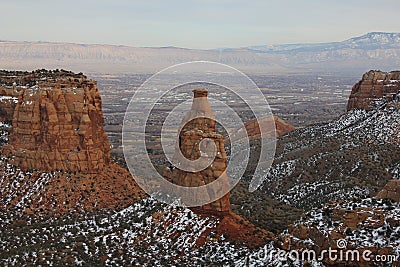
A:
[368,224]
[145,234]
[352,157]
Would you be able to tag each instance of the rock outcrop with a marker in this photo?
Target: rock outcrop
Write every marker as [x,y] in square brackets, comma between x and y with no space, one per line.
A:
[7,107]
[8,99]
[368,224]
[254,128]
[390,191]
[57,158]
[197,138]
[282,127]
[374,85]
[57,122]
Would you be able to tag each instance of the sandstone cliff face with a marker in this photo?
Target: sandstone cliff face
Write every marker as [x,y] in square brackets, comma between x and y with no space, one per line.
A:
[57,123]
[374,85]
[198,125]
[58,152]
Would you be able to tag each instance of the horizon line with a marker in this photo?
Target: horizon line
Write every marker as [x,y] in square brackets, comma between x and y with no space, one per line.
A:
[187,48]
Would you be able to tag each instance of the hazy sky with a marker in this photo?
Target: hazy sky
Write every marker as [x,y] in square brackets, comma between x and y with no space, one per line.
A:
[195,23]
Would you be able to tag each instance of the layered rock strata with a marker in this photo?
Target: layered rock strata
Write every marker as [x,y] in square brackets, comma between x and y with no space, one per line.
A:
[374,85]
[58,156]
[197,138]
[57,123]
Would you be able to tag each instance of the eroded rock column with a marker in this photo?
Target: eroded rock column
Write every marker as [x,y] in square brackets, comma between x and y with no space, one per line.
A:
[199,143]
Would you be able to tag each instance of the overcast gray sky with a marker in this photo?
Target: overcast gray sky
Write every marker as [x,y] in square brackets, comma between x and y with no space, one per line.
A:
[195,23]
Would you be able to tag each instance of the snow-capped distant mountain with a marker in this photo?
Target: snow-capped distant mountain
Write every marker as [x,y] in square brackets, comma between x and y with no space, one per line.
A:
[375,40]
[370,41]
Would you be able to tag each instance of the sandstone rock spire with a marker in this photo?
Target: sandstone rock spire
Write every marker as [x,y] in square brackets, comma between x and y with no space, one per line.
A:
[198,139]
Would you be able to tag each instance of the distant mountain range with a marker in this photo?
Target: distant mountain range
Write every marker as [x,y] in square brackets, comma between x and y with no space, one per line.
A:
[370,41]
[376,50]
